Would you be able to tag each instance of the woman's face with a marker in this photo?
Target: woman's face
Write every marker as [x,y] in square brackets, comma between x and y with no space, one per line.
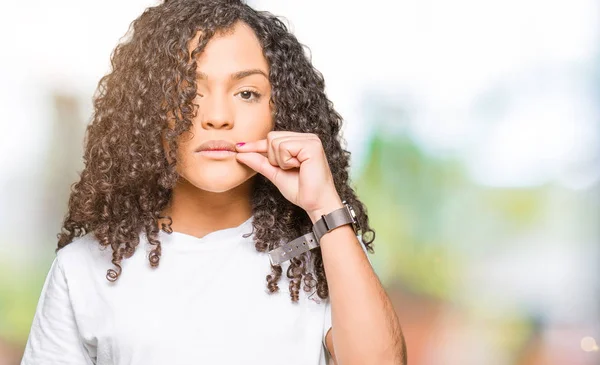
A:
[233,97]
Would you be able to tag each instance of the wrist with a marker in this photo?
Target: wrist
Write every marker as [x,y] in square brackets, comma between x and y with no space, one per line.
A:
[327,208]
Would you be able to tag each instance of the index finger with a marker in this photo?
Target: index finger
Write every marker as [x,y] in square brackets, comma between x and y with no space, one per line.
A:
[253,146]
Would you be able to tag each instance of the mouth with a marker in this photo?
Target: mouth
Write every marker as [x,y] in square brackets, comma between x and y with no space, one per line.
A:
[216,154]
[214,146]
[216,149]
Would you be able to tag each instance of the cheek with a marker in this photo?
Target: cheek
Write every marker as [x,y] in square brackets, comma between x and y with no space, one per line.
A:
[258,124]
[183,151]
[166,149]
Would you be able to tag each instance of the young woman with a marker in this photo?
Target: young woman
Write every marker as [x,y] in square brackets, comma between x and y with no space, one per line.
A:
[211,147]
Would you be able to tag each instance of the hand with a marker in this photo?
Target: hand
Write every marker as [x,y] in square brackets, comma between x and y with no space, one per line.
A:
[296,164]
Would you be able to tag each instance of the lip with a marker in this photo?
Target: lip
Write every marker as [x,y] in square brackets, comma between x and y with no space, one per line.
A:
[216,145]
[216,154]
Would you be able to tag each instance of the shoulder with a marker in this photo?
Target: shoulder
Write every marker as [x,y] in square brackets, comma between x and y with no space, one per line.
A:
[83,252]
[82,246]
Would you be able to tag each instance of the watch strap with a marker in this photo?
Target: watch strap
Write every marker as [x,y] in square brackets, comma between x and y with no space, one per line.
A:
[293,248]
[307,242]
[327,222]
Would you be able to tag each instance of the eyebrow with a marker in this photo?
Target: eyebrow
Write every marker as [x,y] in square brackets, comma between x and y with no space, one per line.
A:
[237,75]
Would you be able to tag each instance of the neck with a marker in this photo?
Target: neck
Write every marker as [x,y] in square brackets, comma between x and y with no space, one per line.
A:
[198,212]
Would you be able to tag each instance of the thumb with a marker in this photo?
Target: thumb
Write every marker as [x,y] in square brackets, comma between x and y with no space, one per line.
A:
[258,163]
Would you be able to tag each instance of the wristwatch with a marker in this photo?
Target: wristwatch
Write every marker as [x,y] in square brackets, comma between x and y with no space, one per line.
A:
[307,242]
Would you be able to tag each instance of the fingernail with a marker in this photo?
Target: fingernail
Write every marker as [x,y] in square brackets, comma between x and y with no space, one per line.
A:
[240,144]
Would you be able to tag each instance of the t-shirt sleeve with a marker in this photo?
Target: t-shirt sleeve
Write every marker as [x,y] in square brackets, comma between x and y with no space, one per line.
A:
[327,323]
[54,336]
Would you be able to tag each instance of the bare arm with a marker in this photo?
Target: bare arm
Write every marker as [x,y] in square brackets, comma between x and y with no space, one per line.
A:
[365,328]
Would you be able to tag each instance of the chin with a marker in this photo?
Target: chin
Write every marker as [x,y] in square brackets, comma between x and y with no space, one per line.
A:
[218,183]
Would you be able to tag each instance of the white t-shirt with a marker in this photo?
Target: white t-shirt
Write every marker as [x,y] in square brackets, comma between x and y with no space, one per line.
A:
[206,303]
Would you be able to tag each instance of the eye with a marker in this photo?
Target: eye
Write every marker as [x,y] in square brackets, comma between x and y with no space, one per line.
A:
[249,95]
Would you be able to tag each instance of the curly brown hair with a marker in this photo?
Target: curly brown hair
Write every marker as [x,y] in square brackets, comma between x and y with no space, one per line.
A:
[127,179]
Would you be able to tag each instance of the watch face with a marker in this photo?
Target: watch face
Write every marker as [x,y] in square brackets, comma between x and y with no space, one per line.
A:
[352,213]
[355,225]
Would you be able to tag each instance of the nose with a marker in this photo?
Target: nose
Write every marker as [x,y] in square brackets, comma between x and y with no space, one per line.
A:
[215,112]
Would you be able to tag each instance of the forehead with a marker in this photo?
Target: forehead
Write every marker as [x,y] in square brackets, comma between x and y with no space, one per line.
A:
[235,50]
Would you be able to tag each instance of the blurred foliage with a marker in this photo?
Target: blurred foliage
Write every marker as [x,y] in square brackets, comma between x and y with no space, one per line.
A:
[430,219]
[20,290]
[403,190]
